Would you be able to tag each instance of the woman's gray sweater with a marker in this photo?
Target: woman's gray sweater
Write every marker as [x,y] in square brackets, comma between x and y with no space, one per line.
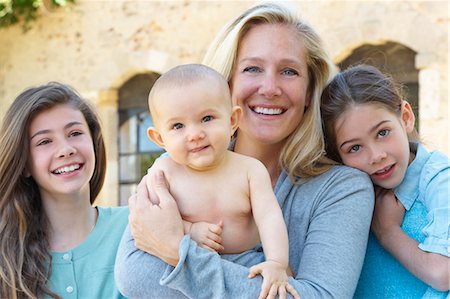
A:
[328,219]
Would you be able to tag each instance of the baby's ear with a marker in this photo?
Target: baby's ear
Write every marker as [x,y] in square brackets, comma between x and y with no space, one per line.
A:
[235,118]
[154,136]
[407,117]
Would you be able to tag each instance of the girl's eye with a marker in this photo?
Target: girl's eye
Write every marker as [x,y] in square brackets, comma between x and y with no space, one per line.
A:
[177,126]
[75,133]
[354,148]
[252,69]
[383,133]
[207,118]
[43,142]
[290,72]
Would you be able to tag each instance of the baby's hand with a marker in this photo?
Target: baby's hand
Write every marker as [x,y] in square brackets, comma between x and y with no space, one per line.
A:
[207,235]
[275,280]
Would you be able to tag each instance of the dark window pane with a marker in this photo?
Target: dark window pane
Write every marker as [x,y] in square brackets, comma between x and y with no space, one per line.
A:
[128,169]
[125,191]
[145,144]
[128,136]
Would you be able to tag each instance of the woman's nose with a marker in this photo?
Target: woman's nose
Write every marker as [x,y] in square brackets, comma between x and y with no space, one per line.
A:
[269,86]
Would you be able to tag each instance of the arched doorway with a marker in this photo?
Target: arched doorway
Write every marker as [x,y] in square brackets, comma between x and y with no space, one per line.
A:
[394,59]
[136,152]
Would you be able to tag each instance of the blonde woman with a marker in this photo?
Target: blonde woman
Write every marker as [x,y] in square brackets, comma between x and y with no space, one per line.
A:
[276,68]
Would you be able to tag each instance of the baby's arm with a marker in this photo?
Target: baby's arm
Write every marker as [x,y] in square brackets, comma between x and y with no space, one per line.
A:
[207,235]
[432,268]
[273,234]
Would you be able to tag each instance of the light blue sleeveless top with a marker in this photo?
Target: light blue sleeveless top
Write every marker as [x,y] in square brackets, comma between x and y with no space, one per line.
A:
[382,275]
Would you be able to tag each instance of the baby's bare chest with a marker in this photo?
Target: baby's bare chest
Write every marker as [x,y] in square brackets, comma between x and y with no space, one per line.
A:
[211,199]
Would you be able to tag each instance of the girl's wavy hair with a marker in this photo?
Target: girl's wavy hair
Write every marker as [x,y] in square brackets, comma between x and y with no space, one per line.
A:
[303,153]
[24,248]
[359,84]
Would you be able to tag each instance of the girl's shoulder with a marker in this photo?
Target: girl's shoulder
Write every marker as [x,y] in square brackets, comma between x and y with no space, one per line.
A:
[113,214]
[429,164]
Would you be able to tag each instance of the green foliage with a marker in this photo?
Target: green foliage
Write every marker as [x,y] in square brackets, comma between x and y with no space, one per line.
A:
[25,11]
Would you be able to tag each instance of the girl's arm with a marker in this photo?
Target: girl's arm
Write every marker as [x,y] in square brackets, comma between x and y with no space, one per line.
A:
[430,267]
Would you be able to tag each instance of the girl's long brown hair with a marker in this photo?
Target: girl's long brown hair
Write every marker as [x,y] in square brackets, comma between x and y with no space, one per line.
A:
[25,257]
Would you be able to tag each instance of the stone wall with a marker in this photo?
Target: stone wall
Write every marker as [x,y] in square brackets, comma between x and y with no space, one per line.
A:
[96,46]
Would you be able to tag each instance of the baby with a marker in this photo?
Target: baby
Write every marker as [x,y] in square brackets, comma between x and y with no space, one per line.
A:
[225,199]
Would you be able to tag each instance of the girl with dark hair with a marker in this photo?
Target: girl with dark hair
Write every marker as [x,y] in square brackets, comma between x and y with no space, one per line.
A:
[368,125]
[53,242]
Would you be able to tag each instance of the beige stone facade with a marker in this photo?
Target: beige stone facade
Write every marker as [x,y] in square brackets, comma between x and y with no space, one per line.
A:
[97,46]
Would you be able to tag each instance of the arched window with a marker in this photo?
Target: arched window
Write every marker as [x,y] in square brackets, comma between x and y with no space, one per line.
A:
[136,152]
[394,59]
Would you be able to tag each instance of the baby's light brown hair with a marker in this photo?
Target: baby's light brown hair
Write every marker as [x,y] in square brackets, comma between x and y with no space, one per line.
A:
[184,75]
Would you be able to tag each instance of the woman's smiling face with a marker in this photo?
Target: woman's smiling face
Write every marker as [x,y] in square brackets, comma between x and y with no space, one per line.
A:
[270,82]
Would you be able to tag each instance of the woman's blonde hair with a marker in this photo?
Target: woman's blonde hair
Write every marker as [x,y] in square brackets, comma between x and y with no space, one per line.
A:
[303,153]
[24,249]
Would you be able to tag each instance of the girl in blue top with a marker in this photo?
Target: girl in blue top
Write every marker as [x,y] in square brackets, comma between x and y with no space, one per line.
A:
[53,242]
[369,126]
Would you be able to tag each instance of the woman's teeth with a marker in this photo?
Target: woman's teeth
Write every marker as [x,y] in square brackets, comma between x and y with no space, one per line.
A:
[268,111]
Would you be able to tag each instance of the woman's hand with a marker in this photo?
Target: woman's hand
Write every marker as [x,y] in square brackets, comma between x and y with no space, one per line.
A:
[157,229]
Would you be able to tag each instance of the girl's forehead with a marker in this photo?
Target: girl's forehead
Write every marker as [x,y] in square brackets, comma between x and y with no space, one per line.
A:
[365,108]
[57,116]
[63,108]
[360,117]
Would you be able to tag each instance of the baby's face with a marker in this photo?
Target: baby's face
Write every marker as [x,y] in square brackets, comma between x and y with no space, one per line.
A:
[374,140]
[194,122]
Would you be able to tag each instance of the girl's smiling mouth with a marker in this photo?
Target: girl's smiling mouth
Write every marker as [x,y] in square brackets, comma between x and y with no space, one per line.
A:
[384,173]
[67,169]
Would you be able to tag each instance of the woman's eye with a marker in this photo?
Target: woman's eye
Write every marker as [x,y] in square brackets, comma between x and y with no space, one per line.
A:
[177,126]
[354,149]
[252,69]
[207,118]
[383,133]
[290,72]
